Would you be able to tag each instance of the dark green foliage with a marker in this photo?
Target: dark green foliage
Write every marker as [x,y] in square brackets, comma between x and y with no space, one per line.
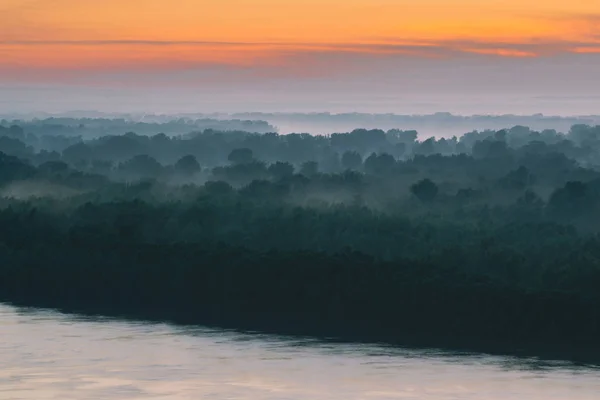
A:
[15,147]
[309,168]
[13,132]
[489,237]
[518,180]
[187,165]
[351,160]
[218,188]
[425,190]
[12,169]
[77,153]
[141,167]
[281,170]
[379,164]
[445,283]
[240,156]
[573,200]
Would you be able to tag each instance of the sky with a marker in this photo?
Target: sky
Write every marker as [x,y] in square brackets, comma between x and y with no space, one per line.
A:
[466,56]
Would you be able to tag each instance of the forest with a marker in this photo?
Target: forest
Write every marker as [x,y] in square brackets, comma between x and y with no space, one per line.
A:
[484,240]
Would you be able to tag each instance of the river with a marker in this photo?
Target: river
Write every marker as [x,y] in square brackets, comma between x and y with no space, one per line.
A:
[49,355]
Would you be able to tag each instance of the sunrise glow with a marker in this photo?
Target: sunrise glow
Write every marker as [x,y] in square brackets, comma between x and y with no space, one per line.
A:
[151,34]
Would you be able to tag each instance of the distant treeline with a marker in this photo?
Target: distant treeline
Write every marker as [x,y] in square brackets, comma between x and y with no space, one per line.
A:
[438,124]
[489,238]
[88,128]
[39,141]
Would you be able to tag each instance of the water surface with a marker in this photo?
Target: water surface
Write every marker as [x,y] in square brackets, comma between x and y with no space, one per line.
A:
[48,355]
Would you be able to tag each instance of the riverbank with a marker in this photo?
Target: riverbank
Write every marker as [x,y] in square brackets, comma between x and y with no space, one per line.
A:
[348,297]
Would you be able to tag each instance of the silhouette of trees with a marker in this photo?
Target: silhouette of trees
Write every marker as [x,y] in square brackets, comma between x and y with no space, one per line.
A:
[281,170]
[573,200]
[309,168]
[13,169]
[187,165]
[425,190]
[351,160]
[141,167]
[15,147]
[379,164]
[491,236]
[77,154]
[519,179]
[241,156]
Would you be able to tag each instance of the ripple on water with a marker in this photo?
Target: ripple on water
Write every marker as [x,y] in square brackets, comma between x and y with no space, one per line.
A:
[48,355]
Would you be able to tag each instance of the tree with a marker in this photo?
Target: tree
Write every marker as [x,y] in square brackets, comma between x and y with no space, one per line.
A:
[77,153]
[281,170]
[101,167]
[351,160]
[141,166]
[331,162]
[218,188]
[309,168]
[45,156]
[572,200]
[15,147]
[12,168]
[427,147]
[14,131]
[528,207]
[264,190]
[425,190]
[490,149]
[187,165]
[519,179]
[379,164]
[466,194]
[399,150]
[241,156]
[54,167]
[397,136]
[501,135]
[119,148]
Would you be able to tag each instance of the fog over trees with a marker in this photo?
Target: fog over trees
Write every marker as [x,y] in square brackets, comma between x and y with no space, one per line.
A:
[441,124]
[488,238]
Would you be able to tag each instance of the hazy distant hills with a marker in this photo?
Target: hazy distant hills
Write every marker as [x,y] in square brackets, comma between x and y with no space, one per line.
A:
[440,124]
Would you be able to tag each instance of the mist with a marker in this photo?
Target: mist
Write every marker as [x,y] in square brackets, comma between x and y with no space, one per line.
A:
[369,234]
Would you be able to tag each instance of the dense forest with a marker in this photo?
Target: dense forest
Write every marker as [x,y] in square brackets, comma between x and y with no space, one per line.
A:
[486,239]
[437,124]
[79,128]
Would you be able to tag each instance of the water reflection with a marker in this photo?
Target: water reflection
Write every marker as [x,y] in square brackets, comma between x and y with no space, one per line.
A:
[47,355]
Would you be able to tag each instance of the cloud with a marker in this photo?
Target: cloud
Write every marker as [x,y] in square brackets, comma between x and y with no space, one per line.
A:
[589,18]
[501,52]
[587,50]
[123,43]
[390,46]
[205,62]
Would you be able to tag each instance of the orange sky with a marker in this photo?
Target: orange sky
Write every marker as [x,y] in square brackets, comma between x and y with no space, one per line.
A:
[121,34]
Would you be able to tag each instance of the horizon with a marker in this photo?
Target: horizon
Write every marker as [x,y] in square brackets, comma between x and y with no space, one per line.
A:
[93,114]
[368,56]
[68,100]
